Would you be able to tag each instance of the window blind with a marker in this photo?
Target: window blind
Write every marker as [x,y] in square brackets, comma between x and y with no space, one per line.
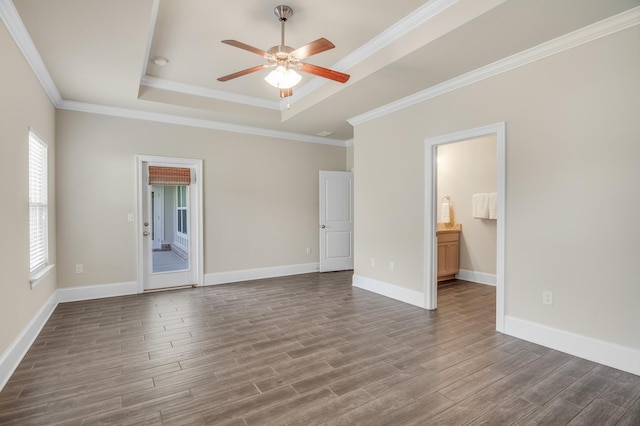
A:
[38,208]
[169,176]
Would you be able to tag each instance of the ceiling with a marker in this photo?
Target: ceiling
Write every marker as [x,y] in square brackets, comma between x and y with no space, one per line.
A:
[98,53]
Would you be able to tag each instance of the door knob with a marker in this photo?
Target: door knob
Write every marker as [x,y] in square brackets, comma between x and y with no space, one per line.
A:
[145,233]
[323,227]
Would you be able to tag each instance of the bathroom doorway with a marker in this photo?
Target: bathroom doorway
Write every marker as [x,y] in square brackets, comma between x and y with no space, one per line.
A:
[433,203]
[466,233]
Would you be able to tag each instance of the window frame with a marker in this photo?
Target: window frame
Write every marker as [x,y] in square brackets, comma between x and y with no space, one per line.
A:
[38,200]
[181,208]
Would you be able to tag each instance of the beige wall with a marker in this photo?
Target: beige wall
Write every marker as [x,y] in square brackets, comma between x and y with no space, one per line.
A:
[23,104]
[466,168]
[349,158]
[572,200]
[260,195]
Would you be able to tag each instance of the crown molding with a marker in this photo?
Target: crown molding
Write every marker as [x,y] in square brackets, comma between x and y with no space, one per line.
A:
[193,122]
[11,18]
[12,21]
[208,93]
[407,24]
[568,41]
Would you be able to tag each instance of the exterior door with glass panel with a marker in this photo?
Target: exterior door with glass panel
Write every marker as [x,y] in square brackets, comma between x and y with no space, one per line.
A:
[167,259]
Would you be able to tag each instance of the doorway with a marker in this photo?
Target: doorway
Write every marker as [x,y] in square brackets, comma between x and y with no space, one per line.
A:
[170,222]
[431,204]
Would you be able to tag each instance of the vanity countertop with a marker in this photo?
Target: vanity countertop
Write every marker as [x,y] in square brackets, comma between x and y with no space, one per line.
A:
[447,227]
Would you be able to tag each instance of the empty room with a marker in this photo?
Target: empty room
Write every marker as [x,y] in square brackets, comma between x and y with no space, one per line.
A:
[319,212]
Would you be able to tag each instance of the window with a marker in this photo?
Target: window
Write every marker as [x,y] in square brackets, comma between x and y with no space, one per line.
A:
[38,208]
[182,209]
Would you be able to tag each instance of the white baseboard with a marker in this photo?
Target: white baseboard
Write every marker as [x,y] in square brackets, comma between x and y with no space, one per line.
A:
[17,350]
[402,294]
[613,355]
[75,294]
[259,273]
[476,277]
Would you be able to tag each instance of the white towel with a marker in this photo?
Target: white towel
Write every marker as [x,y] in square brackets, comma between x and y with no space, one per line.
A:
[481,206]
[493,205]
[445,210]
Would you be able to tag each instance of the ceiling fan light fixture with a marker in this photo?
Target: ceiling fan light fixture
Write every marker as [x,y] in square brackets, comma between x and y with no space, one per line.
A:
[283,78]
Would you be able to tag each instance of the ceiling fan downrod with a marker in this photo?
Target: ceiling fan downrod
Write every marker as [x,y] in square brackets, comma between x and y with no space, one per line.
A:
[283,13]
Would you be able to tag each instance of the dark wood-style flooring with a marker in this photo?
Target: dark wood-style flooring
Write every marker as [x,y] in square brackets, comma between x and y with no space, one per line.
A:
[303,350]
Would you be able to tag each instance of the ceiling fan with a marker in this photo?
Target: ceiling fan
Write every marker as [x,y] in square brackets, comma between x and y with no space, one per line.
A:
[286,59]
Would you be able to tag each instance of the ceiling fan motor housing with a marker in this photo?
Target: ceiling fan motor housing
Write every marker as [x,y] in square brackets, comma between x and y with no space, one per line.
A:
[283,12]
[282,53]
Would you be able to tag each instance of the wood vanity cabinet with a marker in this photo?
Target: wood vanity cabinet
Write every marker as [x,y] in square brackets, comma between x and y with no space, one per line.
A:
[448,254]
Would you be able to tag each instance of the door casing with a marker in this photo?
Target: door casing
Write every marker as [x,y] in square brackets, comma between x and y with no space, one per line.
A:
[196,207]
[430,284]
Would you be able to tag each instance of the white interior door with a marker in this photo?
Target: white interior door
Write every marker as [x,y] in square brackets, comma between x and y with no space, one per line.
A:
[336,221]
[178,261]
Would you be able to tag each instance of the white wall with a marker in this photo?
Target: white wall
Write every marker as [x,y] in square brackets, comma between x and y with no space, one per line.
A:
[466,168]
[260,195]
[23,104]
[573,167]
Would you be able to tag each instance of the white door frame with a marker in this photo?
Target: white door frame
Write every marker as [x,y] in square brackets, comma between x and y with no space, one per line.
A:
[430,216]
[195,206]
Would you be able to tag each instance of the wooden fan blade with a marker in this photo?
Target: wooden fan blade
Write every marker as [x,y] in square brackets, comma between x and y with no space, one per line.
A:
[313,48]
[246,47]
[325,72]
[243,72]
[284,93]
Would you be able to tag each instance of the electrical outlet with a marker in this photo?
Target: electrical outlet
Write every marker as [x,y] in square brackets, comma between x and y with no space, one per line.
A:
[130,217]
[373,261]
[79,268]
[392,266]
[308,250]
[547,297]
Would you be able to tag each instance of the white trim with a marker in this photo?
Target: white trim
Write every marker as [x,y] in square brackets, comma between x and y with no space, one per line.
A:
[624,20]
[193,122]
[392,291]
[216,278]
[39,276]
[11,18]
[568,41]
[476,277]
[12,356]
[613,355]
[190,89]
[90,292]
[430,202]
